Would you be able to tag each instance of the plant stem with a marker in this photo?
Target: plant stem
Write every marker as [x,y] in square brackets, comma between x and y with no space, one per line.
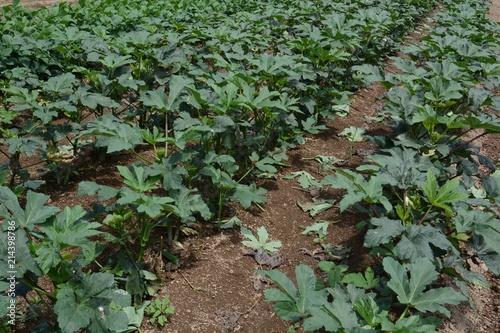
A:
[140,157]
[166,134]
[219,213]
[405,198]
[259,206]
[189,282]
[246,174]
[404,313]
[467,142]
[425,215]
[36,288]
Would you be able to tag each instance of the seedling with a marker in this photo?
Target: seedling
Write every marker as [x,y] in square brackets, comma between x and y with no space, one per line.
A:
[261,242]
[353,134]
[320,228]
[159,310]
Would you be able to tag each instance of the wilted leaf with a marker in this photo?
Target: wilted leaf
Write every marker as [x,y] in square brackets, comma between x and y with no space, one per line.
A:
[353,134]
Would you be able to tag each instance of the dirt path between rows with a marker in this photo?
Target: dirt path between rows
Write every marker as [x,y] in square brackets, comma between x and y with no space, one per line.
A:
[495,10]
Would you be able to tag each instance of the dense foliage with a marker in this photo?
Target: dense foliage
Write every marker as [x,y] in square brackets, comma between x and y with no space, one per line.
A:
[431,194]
[218,90]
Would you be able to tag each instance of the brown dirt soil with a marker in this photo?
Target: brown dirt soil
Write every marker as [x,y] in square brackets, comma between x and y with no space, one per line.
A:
[213,290]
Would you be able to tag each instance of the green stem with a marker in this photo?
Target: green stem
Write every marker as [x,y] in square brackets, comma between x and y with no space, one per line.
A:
[39,290]
[189,283]
[219,213]
[425,215]
[246,174]
[467,142]
[140,157]
[259,206]
[405,198]
[404,313]
[166,134]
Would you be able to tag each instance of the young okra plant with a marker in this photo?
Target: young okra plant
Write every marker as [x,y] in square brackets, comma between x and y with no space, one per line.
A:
[260,242]
[138,205]
[41,241]
[345,302]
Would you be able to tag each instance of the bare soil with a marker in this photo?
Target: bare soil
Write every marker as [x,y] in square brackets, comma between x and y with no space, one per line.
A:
[213,290]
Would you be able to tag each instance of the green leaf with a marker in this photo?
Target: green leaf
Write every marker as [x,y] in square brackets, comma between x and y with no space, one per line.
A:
[319,319]
[386,230]
[151,205]
[92,100]
[155,98]
[292,303]
[4,301]
[335,272]
[230,223]
[61,84]
[328,162]
[481,223]
[369,73]
[248,194]
[87,302]
[171,171]
[69,229]
[137,179]
[48,256]
[71,315]
[176,86]
[6,116]
[412,324]
[24,261]
[352,182]
[222,124]
[35,211]
[305,179]
[339,312]
[135,317]
[286,286]
[484,252]
[402,167]
[417,240]
[446,194]
[410,288]
[316,207]
[261,242]
[308,296]
[369,310]
[367,281]
[358,188]
[112,133]
[319,227]
[310,126]
[254,242]
[267,164]
[187,204]
[442,90]
[158,99]
[91,188]
[9,204]
[353,134]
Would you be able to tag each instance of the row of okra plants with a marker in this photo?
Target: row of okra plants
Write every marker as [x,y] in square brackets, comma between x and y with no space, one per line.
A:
[217,91]
[431,195]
